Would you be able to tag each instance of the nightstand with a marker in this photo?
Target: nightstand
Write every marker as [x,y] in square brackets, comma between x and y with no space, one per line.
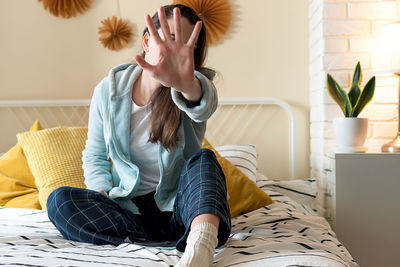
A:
[367,210]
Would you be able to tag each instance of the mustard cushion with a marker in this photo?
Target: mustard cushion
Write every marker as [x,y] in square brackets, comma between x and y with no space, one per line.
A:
[55,158]
[26,201]
[17,184]
[244,194]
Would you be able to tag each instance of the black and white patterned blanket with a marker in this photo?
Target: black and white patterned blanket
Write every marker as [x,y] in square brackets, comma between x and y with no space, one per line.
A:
[287,233]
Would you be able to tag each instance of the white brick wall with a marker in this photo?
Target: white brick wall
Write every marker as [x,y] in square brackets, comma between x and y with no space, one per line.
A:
[372,10]
[341,33]
[344,61]
[361,44]
[336,44]
[384,129]
[333,27]
[337,10]
[317,80]
[380,112]
[386,94]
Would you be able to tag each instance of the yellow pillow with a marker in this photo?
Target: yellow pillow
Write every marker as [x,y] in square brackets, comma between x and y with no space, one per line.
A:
[244,194]
[17,184]
[55,158]
[26,201]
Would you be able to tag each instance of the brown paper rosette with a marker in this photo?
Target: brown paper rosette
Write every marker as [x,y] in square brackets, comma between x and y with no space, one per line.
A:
[215,14]
[66,8]
[114,33]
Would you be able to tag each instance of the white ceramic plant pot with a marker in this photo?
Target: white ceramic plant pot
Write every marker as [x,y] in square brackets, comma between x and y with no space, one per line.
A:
[350,134]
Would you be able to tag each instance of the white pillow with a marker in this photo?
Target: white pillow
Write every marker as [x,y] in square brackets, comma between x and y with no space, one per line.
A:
[244,157]
[302,191]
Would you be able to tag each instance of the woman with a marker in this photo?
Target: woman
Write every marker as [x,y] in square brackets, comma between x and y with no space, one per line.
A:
[149,120]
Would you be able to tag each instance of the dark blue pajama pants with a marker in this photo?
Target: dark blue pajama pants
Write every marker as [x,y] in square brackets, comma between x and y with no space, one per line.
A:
[89,216]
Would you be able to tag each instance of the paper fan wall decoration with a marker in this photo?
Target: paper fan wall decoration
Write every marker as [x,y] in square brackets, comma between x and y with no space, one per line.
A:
[215,14]
[114,33]
[66,8]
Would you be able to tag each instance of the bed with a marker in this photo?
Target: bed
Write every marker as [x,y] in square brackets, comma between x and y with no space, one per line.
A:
[286,233]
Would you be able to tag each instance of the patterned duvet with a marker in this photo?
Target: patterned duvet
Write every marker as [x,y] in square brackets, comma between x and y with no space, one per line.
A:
[287,233]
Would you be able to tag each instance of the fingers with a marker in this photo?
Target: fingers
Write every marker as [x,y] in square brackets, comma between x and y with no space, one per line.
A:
[143,63]
[177,25]
[195,35]
[164,24]
[153,31]
[103,192]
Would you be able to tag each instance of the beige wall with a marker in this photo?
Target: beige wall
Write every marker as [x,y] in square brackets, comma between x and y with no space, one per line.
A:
[265,53]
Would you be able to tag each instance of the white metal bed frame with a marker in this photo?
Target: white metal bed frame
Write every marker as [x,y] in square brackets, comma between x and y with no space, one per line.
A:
[36,104]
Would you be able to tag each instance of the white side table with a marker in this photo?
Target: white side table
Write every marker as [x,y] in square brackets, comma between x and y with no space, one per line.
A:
[367,212]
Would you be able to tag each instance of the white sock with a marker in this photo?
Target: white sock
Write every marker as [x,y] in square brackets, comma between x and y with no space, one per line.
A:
[200,246]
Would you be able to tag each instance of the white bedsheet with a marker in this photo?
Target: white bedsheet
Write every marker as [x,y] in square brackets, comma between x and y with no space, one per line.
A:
[286,233]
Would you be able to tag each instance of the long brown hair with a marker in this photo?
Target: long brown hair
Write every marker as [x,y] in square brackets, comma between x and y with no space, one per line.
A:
[165,115]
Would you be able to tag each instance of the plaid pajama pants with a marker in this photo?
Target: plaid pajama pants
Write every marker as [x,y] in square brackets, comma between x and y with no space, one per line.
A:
[89,216]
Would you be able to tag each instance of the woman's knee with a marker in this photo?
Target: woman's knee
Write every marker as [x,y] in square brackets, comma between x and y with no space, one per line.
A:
[203,153]
[204,158]
[60,196]
[201,178]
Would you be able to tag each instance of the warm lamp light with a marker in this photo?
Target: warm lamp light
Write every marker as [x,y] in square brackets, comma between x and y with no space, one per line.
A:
[387,61]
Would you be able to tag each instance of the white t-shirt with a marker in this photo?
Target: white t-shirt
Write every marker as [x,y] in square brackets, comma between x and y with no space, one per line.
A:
[143,153]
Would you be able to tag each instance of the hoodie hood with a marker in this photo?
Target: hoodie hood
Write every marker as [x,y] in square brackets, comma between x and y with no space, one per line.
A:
[121,79]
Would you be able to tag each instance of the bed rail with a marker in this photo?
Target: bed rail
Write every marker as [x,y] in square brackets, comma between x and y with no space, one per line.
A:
[53,113]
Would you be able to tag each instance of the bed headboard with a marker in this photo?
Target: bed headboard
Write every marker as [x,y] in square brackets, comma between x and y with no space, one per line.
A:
[237,121]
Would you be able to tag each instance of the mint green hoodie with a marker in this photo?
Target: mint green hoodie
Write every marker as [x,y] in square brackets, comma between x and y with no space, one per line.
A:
[109,135]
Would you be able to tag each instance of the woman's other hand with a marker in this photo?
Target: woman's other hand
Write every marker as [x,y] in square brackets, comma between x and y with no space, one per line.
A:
[169,59]
[103,192]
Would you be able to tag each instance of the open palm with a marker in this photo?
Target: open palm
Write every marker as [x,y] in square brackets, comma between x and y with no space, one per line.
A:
[174,57]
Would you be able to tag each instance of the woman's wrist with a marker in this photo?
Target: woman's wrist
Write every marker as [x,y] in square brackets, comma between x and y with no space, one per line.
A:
[192,93]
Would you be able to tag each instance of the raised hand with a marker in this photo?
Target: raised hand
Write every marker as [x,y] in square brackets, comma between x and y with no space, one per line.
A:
[173,64]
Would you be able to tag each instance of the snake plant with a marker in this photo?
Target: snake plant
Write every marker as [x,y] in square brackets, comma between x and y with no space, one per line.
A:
[352,103]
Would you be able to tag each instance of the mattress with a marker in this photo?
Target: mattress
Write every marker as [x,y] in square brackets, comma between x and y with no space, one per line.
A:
[286,233]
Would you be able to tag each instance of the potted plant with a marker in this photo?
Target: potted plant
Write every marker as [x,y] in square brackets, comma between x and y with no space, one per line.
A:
[350,131]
